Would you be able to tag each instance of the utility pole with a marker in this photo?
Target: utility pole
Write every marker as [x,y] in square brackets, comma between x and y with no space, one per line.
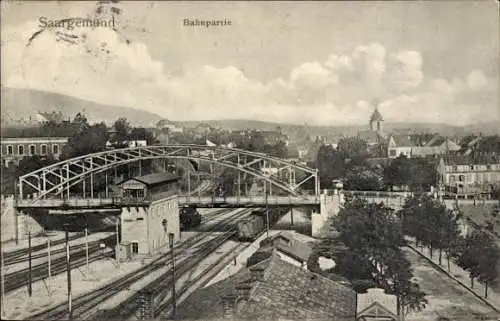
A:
[30,290]
[117,247]
[174,298]
[2,314]
[68,268]
[49,263]
[87,248]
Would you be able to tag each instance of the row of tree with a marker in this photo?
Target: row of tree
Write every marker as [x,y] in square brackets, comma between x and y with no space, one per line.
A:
[434,226]
[374,240]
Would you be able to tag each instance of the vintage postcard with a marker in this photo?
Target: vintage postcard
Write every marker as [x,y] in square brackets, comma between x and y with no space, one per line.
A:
[250,160]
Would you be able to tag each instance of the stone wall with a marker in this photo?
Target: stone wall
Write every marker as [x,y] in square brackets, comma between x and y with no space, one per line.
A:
[330,202]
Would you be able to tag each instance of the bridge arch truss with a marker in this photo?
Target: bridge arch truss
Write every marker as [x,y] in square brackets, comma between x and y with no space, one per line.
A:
[57,179]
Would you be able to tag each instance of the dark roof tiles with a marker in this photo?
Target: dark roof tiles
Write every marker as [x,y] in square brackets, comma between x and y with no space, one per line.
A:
[283,291]
[155,178]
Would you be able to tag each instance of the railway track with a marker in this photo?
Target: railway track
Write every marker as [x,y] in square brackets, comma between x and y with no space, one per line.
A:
[84,306]
[19,278]
[14,256]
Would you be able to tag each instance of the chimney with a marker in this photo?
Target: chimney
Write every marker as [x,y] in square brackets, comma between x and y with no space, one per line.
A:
[243,290]
[229,306]
[256,274]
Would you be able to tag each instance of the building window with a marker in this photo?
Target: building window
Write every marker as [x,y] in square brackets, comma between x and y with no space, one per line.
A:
[135,247]
[10,150]
[454,168]
[20,150]
[392,152]
[55,149]
[140,219]
[43,149]
[471,167]
[32,149]
[461,178]
[488,167]
[452,178]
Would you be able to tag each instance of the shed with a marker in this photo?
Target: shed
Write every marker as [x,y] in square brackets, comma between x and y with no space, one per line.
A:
[150,186]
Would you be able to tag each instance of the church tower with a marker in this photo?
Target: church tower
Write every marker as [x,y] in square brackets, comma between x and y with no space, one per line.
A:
[376,120]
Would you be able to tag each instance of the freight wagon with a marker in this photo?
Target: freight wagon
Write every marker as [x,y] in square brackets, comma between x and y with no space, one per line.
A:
[250,228]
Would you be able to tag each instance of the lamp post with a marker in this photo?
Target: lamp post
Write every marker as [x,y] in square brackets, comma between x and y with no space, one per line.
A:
[174,299]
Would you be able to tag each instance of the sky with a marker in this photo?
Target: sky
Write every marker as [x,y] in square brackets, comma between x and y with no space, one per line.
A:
[322,63]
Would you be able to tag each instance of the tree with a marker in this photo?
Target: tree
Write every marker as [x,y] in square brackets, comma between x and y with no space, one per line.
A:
[139,133]
[91,139]
[374,238]
[353,148]
[417,173]
[479,257]
[122,129]
[331,165]
[363,179]
[430,223]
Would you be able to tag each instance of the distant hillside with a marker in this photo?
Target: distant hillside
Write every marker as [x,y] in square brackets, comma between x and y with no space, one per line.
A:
[301,131]
[23,103]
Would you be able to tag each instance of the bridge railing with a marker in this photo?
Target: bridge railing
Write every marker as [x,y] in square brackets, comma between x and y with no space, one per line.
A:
[261,199]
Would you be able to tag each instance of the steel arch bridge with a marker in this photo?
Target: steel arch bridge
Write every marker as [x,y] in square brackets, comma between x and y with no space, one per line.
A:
[57,179]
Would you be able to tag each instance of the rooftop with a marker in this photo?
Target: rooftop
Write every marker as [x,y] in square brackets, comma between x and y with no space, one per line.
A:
[273,289]
[155,178]
[478,159]
[404,140]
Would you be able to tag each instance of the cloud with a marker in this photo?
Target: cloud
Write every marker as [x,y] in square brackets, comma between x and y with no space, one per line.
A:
[101,65]
[312,75]
[476,80]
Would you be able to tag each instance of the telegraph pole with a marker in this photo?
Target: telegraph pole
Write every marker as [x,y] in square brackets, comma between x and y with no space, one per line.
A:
[87,248]
[30,290]
[117,243]
[48,261]
[2,285]
[174,298]
[68,268]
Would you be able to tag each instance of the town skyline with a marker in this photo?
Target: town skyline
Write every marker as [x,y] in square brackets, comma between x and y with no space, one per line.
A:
[326,67]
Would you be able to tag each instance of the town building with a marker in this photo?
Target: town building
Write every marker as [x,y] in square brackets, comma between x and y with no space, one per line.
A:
[201,130]
[466,174]
[272,137]
[168,126]
[151,214]
[14,149]
[413,146]
[287,248]
[272,289]
[376,305]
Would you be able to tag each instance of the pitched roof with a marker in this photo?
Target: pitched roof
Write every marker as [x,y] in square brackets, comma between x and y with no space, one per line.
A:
[376,116]
[436,141]
[283,291]
[298,250]
[370,136]
[404,140]
[480,159]
[155,178]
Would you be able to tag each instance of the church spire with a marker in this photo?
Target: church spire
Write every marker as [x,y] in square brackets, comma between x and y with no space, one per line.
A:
[376,119]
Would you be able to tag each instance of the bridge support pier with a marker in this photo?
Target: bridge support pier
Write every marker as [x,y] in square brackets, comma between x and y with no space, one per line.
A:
[330,204]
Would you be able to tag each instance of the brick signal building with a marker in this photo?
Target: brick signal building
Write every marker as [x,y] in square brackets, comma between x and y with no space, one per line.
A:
[152,214]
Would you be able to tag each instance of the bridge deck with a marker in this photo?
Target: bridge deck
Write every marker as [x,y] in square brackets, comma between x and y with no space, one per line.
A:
[203,201]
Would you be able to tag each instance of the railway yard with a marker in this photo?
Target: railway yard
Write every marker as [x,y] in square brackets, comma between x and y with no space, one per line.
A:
[108,289]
